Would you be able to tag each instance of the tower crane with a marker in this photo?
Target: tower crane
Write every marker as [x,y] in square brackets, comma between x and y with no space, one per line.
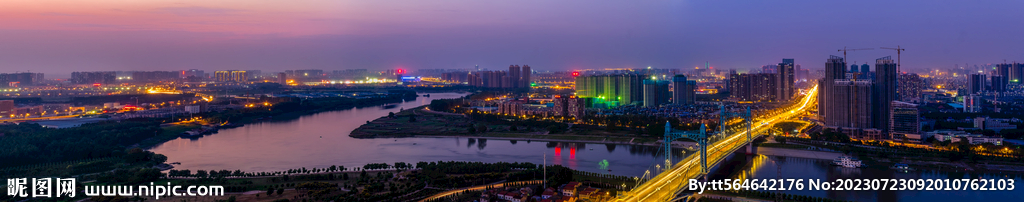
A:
[855,49]
[898,51]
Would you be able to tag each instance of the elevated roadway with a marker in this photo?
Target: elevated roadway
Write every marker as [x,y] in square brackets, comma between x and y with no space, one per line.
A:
[669,183]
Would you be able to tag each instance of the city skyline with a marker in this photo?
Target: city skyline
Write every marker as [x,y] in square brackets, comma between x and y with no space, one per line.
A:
[55,36]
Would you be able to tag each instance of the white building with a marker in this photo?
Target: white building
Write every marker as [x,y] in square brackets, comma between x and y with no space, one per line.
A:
[955,136]
[972,103]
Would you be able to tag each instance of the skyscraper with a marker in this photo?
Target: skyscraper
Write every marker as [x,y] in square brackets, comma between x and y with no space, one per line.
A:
[20,79]
[1015,73]
[513,75]
[612,90]
[865,71]
[524,77]
[93,77]
[998,84]
[785,81]
[884,92]
[1003,72]
[835,68]
[683,90]
[799,72]
[851,104]
[655,92]
[976,83]
[760,87]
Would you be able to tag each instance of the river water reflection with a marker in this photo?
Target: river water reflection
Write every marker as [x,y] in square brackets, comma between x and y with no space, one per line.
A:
[321,140]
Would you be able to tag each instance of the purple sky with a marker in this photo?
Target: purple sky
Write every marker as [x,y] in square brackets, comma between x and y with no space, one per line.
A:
[60,36]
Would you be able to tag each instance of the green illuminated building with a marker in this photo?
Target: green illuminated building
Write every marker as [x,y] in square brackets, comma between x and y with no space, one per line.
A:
[610,90]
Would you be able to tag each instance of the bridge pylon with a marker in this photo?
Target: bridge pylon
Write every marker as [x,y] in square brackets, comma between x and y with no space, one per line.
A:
[700,136]
[724,115]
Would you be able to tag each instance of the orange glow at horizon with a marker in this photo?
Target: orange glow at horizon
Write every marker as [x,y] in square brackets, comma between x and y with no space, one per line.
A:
[289,18]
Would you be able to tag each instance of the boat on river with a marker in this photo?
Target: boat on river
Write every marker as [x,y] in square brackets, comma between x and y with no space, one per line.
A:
[846,161]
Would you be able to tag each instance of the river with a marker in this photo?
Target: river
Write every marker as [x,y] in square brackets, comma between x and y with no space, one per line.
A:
[321,140]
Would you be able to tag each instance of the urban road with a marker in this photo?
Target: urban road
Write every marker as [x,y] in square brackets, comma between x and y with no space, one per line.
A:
[667,185]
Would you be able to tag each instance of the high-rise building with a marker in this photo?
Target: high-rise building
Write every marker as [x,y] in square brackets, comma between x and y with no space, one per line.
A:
[769,69]
[786,81]
[759,87]
[854,68]
[513,74]
[569,106]
[93,77]
[230,75]
[222,76]
[612,90]
[798,72]
[20,79]
[683,91]
[835,69]
[909,88]
[851,104]
[884,91]
[972,103]
[904,119]
[976,84]
[655,92]
[998,84]
[865,71]
[282,78]
[1015,73]
[515,77]
[1003,71]
[525,76]
[193,73]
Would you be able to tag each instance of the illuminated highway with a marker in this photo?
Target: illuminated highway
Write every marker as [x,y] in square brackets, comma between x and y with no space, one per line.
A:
[665,186]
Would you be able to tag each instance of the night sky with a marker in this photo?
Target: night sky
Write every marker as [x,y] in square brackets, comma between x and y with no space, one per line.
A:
[60,36]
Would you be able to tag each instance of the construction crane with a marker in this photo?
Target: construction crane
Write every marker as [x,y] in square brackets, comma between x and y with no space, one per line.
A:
[855,49]
[898,51]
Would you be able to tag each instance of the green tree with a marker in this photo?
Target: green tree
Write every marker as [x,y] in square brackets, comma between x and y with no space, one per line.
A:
[159,158]
[270,191]
[280,191]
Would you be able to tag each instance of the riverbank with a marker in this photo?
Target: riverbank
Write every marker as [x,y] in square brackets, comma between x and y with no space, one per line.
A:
[419,122]
[769,151]
[307,107]
[574,139]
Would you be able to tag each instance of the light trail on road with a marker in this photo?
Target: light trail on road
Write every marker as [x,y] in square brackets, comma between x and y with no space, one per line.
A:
[666,185]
